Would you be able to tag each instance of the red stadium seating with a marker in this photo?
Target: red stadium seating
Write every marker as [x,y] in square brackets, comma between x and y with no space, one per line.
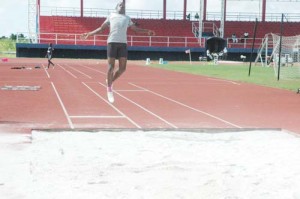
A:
[170,28]
[61,24]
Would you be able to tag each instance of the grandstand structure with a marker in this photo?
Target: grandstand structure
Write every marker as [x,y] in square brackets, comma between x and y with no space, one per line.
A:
[174,31]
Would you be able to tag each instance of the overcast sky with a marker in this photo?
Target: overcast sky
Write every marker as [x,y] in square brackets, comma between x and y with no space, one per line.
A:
[14,13]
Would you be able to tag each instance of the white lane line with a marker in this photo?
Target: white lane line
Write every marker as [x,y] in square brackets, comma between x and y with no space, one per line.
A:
[143,108]
[222,80]
[80,72]
[133,90]
[67,71]
[120,112]
[98,71]
[189,107]
[46,71]
[63,107]
[96,116]
[148,111]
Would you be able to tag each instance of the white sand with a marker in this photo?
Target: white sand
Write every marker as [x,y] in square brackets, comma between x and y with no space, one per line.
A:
[154,165]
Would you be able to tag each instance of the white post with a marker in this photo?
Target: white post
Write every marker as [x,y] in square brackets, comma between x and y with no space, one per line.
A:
[222,19]
[266,53]
[200,29]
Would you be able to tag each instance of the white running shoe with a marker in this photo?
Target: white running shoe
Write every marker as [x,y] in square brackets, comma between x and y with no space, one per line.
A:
[110,96]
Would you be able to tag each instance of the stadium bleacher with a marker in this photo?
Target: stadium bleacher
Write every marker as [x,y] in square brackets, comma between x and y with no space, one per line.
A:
[169,28]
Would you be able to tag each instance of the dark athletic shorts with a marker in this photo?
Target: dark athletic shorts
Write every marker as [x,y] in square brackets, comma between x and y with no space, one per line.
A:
[116,50]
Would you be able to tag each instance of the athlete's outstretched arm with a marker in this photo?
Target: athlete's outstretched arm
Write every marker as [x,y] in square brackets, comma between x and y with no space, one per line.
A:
[141,30]
[98,30]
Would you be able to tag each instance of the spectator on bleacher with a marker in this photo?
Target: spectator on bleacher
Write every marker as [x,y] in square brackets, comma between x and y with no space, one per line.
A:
[136,23]
[196,16]
[50,50]
[245,36]
[234,38]
[188,17]
[118,24]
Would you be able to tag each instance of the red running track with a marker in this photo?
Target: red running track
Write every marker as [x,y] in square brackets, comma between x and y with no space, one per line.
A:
[73,96]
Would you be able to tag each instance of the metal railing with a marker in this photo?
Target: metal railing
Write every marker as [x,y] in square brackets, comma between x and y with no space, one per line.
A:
[133,40]
[158,14]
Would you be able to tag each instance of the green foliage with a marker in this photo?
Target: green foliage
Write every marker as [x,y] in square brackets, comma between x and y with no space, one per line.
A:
[7,45]
[259,75]
[14,36]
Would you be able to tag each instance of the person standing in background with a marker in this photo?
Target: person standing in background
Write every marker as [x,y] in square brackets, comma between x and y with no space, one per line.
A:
[49,55]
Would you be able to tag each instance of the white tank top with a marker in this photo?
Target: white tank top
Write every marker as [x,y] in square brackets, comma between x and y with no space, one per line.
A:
[118,24]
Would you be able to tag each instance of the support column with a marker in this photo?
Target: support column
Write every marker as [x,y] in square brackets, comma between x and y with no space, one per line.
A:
[264,10]
[223,18]
[201,17]
[165,10]
[81,8]
[184,10]
[39,4]
[204,10]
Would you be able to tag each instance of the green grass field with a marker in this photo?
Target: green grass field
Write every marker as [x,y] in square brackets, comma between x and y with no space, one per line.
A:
[7,48]
[264,76]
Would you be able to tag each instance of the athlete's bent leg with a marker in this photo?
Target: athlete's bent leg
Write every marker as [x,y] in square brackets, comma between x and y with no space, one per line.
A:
[122,68]
[110,72]
[48,63]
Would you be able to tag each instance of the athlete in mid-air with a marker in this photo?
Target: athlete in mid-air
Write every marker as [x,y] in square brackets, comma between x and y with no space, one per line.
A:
[49,55]
[118,23]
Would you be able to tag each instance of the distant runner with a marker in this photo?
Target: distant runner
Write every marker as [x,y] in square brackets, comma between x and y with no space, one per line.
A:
[49,55]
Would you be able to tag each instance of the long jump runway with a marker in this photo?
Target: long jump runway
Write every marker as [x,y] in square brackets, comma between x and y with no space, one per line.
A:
[72,96]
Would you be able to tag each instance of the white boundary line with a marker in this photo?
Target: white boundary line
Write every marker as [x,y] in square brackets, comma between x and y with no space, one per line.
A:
[79,71]
[130,90]
[148,111]
[63,107]
[121,113]
[91,116]
[189,107]
[67,71]
[143,108]
[98,71]
[222,80]
[48,75]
